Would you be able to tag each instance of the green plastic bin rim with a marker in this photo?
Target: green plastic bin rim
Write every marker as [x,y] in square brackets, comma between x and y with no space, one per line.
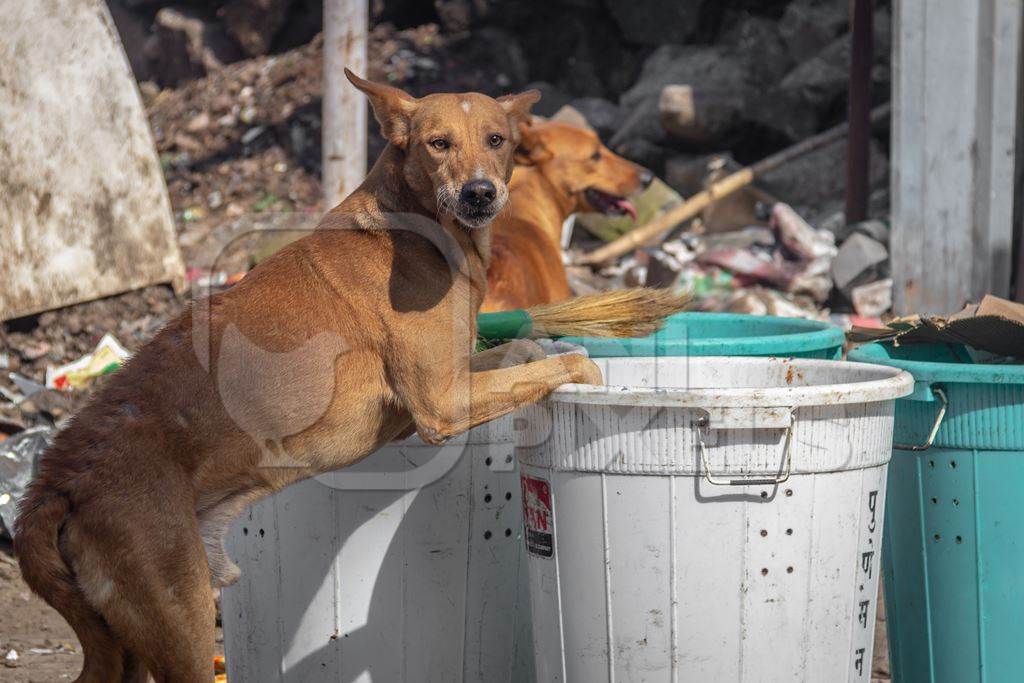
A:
[947,363]
[722,334]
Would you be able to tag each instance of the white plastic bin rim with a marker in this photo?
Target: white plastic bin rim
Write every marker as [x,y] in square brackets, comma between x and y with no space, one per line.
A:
[745,382]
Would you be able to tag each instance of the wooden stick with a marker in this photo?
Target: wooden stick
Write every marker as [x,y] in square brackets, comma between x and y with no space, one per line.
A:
[646,234]
[344,107]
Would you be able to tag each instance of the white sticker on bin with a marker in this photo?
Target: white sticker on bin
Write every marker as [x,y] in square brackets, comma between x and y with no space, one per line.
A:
[760,417]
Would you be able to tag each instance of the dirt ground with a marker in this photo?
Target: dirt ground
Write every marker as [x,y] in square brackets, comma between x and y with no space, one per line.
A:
[47,649]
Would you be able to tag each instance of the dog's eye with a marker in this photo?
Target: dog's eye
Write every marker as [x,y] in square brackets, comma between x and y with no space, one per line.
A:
[496,140]
[596,156]
[439,144]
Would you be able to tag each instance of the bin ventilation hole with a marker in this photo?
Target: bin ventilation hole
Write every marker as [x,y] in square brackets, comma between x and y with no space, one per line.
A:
[935,501]
[508,495]
[956,501]
[789,492]
[931,463]
[764,494]
[488,461]
[508,532]
[487,535]
[764,571]
[937,537]
[764,532]
[508,458]
[789,570]
[487,498]
[959,540]
[952,463]
[789,532]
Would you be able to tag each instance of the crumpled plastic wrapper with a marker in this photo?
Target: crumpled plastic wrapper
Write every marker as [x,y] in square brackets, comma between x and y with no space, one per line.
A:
[18,454]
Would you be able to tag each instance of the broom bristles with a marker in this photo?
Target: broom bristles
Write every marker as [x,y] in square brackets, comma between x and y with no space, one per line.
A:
[623,313]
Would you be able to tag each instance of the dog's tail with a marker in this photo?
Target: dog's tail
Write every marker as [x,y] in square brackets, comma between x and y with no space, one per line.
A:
[42,513]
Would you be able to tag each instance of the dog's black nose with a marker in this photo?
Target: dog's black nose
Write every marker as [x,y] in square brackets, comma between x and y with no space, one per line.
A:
[478,193]
[646,178]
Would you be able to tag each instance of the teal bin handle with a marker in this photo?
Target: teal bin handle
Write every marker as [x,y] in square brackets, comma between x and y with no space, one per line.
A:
[936,394]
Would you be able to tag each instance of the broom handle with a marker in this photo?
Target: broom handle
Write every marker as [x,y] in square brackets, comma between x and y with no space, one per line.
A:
[515,324]
[646,234]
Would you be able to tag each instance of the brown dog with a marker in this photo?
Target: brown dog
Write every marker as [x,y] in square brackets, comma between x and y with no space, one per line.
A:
[562,169]
[344,340]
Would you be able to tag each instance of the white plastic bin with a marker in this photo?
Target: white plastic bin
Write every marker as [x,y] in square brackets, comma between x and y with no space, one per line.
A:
[728,530]
[367,575]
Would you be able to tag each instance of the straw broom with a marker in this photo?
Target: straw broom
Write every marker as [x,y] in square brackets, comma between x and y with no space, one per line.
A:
[623,313]
[646,234]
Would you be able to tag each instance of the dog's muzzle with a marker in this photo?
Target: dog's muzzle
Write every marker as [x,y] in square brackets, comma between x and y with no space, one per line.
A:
[478,203]
[478,194]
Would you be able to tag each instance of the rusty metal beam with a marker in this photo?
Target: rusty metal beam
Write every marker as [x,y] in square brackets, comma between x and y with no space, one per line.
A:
[858,144]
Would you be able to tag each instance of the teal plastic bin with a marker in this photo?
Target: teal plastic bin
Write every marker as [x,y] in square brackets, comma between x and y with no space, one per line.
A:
[726,334]
[953,545]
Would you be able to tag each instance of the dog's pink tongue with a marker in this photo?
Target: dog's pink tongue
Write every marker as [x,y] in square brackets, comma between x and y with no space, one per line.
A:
[626,206]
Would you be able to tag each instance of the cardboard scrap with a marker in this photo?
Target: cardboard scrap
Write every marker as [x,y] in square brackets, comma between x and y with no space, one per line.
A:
[995,325]
[85,212]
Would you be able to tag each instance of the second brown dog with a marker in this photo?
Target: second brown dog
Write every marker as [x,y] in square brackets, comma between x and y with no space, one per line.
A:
[561,169]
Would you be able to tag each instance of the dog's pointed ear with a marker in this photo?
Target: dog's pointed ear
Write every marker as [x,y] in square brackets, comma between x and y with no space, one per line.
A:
[530,150]
[518,106]
[392,107]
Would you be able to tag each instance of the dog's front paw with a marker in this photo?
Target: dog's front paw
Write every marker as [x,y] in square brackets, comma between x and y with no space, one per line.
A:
[522,351]
[585,371]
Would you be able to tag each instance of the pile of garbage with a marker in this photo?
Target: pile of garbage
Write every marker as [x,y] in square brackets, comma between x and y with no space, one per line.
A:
[51,363]
[749,253]
[783,267]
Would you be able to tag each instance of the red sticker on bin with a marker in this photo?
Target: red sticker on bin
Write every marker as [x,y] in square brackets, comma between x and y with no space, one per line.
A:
[537,518]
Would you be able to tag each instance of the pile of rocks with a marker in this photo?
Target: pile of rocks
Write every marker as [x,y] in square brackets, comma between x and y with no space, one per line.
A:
[173,42]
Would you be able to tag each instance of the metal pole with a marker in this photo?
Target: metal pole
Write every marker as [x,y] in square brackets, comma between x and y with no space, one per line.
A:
[343,128]
[858,143]
[1018,294]
[1017,275]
